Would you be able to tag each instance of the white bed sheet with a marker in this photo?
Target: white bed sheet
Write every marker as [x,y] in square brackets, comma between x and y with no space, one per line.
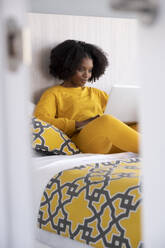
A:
[45,167]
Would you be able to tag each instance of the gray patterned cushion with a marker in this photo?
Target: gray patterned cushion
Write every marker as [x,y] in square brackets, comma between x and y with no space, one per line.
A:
[50,140]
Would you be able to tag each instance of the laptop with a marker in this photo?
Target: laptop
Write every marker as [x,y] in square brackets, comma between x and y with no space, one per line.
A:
[123,103]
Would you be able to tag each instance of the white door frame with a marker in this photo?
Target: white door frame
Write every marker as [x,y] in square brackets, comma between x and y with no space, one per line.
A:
[16,223]
[152,78]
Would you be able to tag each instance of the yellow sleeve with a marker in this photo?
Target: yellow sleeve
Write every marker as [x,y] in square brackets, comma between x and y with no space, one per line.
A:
[104,99]
[46,111]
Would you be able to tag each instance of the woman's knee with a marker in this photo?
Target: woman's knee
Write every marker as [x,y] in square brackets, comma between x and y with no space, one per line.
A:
[107,120]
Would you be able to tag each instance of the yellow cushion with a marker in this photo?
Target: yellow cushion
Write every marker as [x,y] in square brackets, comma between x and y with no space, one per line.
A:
[50,140]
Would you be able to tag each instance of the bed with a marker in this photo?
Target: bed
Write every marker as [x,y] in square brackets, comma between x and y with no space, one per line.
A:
[124,205]
[106,33]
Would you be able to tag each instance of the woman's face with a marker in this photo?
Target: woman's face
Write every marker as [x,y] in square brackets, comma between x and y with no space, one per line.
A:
[83,73]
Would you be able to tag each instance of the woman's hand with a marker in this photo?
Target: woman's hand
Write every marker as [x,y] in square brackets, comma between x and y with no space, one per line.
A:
[81,124]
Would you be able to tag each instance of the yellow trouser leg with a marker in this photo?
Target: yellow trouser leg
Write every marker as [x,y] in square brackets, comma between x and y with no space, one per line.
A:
[115,149]
[99,135]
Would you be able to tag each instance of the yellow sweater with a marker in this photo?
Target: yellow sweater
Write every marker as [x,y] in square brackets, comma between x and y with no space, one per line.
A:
[62,106]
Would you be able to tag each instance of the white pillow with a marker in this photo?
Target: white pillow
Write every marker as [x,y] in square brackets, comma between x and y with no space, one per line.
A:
[31,107]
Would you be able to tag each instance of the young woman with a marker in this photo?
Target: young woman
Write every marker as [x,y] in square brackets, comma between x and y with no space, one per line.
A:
[78,110]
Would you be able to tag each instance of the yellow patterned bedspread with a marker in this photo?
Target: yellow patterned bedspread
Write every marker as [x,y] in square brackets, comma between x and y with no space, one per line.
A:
[98,204]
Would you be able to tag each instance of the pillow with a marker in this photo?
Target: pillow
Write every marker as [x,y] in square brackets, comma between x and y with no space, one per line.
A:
[50,140]
[31,107]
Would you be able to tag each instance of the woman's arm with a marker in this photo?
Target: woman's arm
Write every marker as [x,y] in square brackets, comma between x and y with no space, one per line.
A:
[46,110]
[80,125]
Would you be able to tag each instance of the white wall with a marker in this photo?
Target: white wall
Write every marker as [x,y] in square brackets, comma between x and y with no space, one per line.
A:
[116,36]
[75,7]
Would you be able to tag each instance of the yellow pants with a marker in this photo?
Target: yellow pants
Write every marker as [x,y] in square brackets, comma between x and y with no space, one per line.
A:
[107,134]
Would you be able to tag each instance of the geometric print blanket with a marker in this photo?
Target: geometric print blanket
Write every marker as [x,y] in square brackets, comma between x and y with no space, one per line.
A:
[98,204]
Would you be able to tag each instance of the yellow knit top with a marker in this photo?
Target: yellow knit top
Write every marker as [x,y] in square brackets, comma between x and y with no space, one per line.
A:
[62,106]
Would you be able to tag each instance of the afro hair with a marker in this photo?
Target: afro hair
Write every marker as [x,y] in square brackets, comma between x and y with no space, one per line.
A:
[66,57]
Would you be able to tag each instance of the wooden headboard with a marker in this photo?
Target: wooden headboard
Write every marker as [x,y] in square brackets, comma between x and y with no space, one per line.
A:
[116,36]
